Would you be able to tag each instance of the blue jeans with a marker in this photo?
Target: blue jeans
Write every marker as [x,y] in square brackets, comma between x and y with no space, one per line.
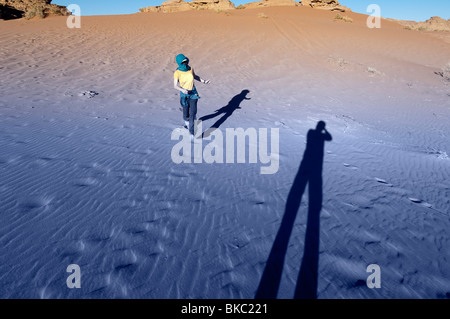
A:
[190,113]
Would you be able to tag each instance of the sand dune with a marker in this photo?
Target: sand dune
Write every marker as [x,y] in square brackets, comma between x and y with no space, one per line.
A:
[89,179]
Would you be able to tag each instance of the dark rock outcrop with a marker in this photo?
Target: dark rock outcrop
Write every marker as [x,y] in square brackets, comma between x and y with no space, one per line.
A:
[15,9]
[9,13]
[331,5]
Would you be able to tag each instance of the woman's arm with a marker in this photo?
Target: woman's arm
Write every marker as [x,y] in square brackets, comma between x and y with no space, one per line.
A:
[177,87]
[196,77]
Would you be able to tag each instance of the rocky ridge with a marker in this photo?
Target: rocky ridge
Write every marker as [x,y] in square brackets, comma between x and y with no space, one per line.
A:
[432,24]
[181,5]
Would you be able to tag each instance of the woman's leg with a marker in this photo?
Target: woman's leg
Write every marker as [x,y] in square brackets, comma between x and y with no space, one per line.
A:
[186,113]
[192,115]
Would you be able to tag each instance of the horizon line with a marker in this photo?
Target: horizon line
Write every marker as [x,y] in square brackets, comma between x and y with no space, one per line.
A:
[117,14]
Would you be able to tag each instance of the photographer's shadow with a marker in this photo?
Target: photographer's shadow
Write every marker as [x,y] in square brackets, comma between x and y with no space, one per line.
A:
[227,111]
[310,172]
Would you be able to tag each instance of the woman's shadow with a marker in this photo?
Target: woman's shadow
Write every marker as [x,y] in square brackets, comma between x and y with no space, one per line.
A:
[227,111]
[310,172]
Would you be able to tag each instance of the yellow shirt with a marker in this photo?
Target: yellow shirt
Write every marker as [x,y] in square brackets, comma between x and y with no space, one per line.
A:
[186,78]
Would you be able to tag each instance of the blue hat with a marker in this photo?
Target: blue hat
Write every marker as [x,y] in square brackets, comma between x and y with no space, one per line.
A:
[181,58]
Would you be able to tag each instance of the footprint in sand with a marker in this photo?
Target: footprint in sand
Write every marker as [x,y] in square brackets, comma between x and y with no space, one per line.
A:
[419,201]
[48,158]
[143,151]
[83,182]
[73,251]
[102,118]
[128,263]
[281,124]
[350,166]
[34,202]
[240,241]
[382,181]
